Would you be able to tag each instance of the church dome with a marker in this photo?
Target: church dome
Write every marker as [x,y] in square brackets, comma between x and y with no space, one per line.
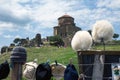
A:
[65,16]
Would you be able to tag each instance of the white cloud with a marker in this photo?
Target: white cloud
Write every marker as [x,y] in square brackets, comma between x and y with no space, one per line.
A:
[48,13]
[13,12]
[7,27]
[40,16]
[45,12]
[17,36]
[11,36]
[113,4]
[1,33]
[14,7]
[8,36]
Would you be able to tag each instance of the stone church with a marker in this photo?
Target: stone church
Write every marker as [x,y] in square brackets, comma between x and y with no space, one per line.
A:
[66,28]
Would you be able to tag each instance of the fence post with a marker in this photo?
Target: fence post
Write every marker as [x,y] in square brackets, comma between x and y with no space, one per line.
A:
[98,68]
[17,58]
[80,62]
[16,73]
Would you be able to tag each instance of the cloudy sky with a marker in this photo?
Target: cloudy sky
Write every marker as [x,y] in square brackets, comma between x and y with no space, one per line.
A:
[26,18]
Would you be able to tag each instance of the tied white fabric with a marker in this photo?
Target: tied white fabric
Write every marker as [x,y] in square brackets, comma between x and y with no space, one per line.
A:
[30,69]
[58,70]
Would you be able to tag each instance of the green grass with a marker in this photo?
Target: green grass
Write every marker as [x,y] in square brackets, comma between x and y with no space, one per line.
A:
[50,53]
[45,53]
[108,47]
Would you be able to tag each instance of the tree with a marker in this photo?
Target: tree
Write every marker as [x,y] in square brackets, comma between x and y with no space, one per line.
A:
[12,45]
[32,42]
[17,41]
[115,36]
[56,40]
[23,42]
[4,49]
[38,39]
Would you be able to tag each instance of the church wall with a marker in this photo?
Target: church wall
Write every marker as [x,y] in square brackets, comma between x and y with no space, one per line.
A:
[66,28]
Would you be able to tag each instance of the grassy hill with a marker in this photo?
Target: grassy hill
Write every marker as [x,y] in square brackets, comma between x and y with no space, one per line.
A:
[62,55]
[42,54]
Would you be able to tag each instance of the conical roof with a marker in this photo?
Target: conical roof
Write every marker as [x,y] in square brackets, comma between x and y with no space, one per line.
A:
[65,16]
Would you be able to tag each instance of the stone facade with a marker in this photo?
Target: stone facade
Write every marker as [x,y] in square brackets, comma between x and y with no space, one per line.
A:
[66,28]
